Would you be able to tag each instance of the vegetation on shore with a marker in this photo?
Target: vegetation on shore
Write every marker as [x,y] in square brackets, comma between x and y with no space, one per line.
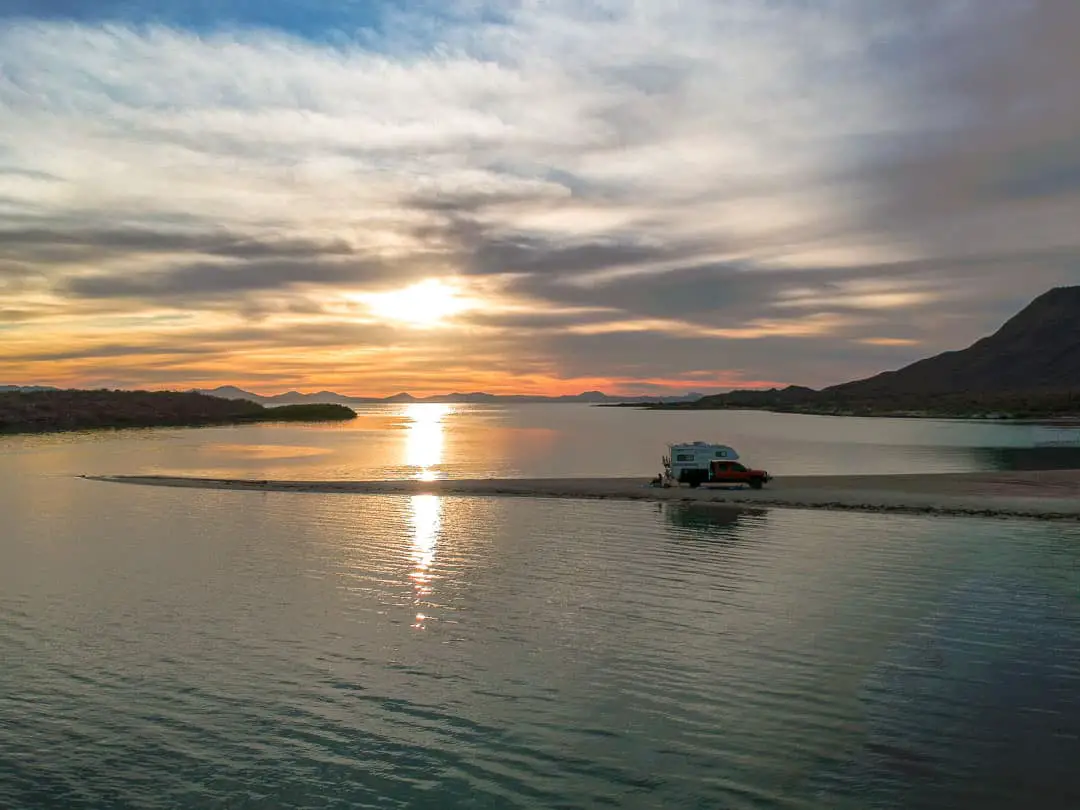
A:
[49,411]
[306,412]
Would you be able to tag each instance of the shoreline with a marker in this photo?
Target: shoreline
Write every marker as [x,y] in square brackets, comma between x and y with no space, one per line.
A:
[1063,419]
[1042,495]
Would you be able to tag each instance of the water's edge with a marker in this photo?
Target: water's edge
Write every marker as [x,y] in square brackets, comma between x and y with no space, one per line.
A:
[1037,495]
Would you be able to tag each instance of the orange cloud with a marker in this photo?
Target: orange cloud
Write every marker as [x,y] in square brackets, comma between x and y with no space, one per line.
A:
[884,341]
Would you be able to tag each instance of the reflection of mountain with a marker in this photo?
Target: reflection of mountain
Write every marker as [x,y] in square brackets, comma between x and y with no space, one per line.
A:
[712,522]
[1027,458]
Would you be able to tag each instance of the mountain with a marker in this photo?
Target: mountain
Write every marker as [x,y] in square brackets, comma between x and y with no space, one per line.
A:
[1030,367]
[8,389]
[1036,349]
[296,398]
[231,392]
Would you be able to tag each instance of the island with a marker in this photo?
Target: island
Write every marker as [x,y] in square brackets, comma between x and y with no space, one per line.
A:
[46,411]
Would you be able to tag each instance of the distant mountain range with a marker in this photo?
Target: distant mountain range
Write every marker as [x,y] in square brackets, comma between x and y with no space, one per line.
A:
[296,398]
[1029,367]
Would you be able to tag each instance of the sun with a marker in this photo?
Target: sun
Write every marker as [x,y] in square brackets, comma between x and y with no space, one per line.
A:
[424,304]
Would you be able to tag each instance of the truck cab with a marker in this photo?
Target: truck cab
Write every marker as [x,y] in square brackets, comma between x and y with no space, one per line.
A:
[732,472]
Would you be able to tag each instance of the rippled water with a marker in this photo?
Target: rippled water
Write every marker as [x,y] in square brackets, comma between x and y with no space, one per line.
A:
[200,649]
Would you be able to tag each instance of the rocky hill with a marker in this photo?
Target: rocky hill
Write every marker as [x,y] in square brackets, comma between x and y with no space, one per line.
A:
[1030,367]
[1037,349]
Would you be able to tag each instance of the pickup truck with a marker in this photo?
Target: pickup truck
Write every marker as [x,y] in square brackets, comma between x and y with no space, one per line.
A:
[732,472]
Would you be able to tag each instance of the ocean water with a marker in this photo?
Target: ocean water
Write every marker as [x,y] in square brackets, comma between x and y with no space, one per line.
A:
[168,648]
[456,441]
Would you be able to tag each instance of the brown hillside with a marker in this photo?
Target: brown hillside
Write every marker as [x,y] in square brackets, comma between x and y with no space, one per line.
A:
[1038,349]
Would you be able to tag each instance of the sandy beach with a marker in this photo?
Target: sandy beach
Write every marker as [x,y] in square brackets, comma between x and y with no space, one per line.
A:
[1044,495]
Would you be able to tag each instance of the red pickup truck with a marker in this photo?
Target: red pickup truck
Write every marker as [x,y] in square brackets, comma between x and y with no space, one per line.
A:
[732,472]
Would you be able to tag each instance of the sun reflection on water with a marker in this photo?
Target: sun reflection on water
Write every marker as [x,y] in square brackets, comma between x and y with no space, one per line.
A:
[424,453]
[424,442]
[425,516]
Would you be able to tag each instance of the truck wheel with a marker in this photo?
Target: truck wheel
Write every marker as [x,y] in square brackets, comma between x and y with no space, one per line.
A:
[695,484]
[756,483]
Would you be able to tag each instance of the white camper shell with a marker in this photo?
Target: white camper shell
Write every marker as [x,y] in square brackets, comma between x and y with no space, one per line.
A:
[690,462]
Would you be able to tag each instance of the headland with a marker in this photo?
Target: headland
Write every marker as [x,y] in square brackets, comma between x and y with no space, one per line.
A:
[48,411]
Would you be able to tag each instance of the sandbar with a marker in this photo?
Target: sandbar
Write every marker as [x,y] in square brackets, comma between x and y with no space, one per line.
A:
[1048,495]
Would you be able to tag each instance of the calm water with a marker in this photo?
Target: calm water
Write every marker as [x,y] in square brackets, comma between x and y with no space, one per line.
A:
[198,649]
[440,441]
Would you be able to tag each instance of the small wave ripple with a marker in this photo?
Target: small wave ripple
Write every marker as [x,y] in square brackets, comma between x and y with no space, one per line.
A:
[179,649]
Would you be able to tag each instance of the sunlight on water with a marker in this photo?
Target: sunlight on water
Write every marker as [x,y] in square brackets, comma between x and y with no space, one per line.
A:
[425,517]
[424,442]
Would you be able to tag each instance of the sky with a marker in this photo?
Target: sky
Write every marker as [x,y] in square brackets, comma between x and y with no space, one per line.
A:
[530,196]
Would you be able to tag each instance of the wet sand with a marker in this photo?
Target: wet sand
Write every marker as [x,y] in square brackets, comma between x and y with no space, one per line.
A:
[1046,495]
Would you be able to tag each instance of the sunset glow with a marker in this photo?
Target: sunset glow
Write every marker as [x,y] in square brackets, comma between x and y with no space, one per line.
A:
[552,198]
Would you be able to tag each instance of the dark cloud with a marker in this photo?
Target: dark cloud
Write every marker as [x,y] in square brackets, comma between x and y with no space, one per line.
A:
[115,350]
[17,277]
[538,256]
[16,270]
[319,334]
[721,294]
[537,320]
[210,280]
[43,244]
[482,248]
[689,291]
[790,360]
[13,316]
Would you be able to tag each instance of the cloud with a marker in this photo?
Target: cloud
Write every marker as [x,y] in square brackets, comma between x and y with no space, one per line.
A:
[846,185]
[112,350]
[217,279]
[20,241]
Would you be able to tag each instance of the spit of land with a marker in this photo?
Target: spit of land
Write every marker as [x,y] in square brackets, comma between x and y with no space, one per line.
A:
[1052,494]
